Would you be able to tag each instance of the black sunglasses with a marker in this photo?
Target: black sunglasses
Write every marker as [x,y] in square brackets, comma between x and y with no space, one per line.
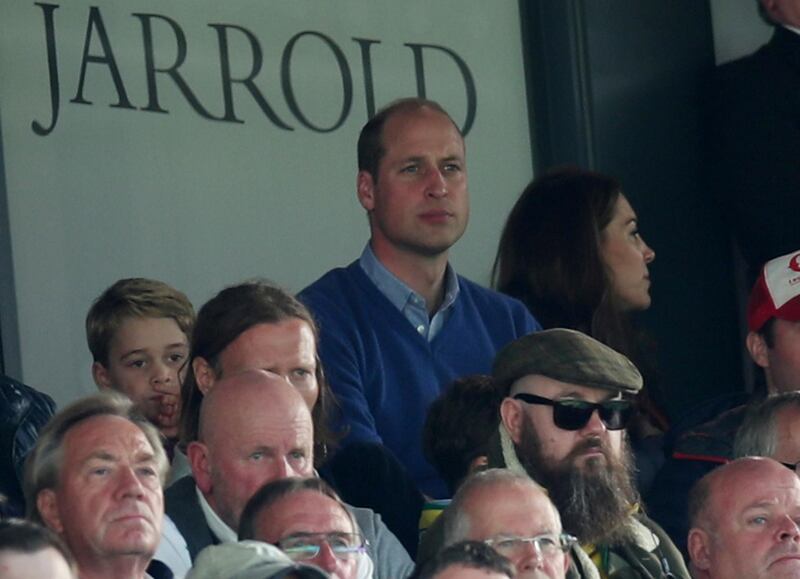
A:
[571,414]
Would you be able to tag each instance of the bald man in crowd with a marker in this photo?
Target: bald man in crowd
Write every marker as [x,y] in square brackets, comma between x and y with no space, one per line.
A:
[744,522]
[513,514]
[254,428]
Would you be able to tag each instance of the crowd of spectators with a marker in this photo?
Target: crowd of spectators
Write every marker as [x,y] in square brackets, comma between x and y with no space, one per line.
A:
[395,419]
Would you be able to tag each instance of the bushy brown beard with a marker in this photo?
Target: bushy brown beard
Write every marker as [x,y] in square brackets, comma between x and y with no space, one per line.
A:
[595,500]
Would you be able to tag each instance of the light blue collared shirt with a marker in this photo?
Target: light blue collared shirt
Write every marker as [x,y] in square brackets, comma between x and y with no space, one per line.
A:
[410,303]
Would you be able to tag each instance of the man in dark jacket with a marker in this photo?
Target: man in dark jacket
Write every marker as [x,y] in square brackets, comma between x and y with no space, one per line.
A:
[563,423]
[23,412]
[754,114]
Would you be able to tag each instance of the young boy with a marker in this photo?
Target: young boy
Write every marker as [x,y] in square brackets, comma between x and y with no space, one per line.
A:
[138,332]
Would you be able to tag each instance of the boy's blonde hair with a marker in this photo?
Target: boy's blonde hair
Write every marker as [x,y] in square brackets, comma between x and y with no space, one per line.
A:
[134,298]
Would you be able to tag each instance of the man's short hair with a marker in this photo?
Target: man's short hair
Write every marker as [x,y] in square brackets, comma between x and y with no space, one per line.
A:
[472,554]
[225,317]
[699,496]
[758,434]
[459,425]
[276,490]
[455,521]
[370,141]
[21,536]
[43,466]
[134,298]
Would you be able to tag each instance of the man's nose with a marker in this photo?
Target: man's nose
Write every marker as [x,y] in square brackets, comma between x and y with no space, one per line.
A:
[326,558]
[286,470]
[128,482]
[531,558]
[595,424]
[789,530]
[436,185]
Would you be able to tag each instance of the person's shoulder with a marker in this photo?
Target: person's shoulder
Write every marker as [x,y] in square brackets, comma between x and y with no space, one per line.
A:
[494,303]
[741,72]
[330,279]
[181,489]
[712,440]
[333,286]
[487,295]
[14,394]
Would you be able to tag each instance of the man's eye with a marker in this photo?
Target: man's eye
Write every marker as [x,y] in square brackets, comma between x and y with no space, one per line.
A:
[101,471]
[257,456]
[760,520]
[409,169]
[148,471]
[136,364]
[548,544]
[452,168]
[506,544]
[297,455]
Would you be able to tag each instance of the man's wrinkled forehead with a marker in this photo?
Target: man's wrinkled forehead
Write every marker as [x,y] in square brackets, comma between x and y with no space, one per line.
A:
[539,384]
[754,485]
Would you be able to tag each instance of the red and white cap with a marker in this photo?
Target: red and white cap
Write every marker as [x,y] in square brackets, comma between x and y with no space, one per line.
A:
[776,293]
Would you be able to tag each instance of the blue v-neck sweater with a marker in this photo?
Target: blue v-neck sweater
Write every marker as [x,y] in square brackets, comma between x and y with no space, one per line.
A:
[385,374]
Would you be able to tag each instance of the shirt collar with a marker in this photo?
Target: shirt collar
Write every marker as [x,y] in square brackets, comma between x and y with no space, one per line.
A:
[397,292]
[218,527]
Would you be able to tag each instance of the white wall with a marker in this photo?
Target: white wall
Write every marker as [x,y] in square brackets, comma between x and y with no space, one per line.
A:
[738,29]
[117,192]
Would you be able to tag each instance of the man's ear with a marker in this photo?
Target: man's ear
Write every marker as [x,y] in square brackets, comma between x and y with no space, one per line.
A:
[511,414]
[197,453]
[47,505]
[478,464]
[769,6]
[698,546]
[365,188]
[567,561]
[204,375]
[101,376]
[757,346]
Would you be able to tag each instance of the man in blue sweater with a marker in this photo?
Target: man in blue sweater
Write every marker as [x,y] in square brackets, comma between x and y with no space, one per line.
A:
[398,325]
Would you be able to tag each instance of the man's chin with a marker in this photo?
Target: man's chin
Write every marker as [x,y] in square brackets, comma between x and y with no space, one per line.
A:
[590,461]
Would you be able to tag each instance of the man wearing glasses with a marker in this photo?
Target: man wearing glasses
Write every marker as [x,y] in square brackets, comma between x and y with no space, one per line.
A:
[254,428]
[512,514]
[310,523]
[563,424]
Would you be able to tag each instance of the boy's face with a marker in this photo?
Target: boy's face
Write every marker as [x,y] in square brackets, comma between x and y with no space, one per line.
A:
[147,362]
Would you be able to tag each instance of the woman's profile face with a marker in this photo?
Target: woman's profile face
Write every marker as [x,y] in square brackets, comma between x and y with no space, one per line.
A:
[626,256]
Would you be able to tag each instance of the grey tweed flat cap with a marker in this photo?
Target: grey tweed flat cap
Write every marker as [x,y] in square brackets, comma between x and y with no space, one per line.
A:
[566,356]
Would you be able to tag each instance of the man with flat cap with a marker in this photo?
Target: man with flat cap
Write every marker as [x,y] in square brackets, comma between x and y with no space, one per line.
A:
[563,424]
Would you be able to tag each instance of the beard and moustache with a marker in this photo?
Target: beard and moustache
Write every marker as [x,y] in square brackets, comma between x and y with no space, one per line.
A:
[596,499]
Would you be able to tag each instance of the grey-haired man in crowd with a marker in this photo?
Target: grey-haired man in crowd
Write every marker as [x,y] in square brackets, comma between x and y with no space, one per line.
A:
[514,515]
[95,478]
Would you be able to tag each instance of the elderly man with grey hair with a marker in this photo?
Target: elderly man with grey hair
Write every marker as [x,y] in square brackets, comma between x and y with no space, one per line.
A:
[95,478]
[772,428]
[513,514]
